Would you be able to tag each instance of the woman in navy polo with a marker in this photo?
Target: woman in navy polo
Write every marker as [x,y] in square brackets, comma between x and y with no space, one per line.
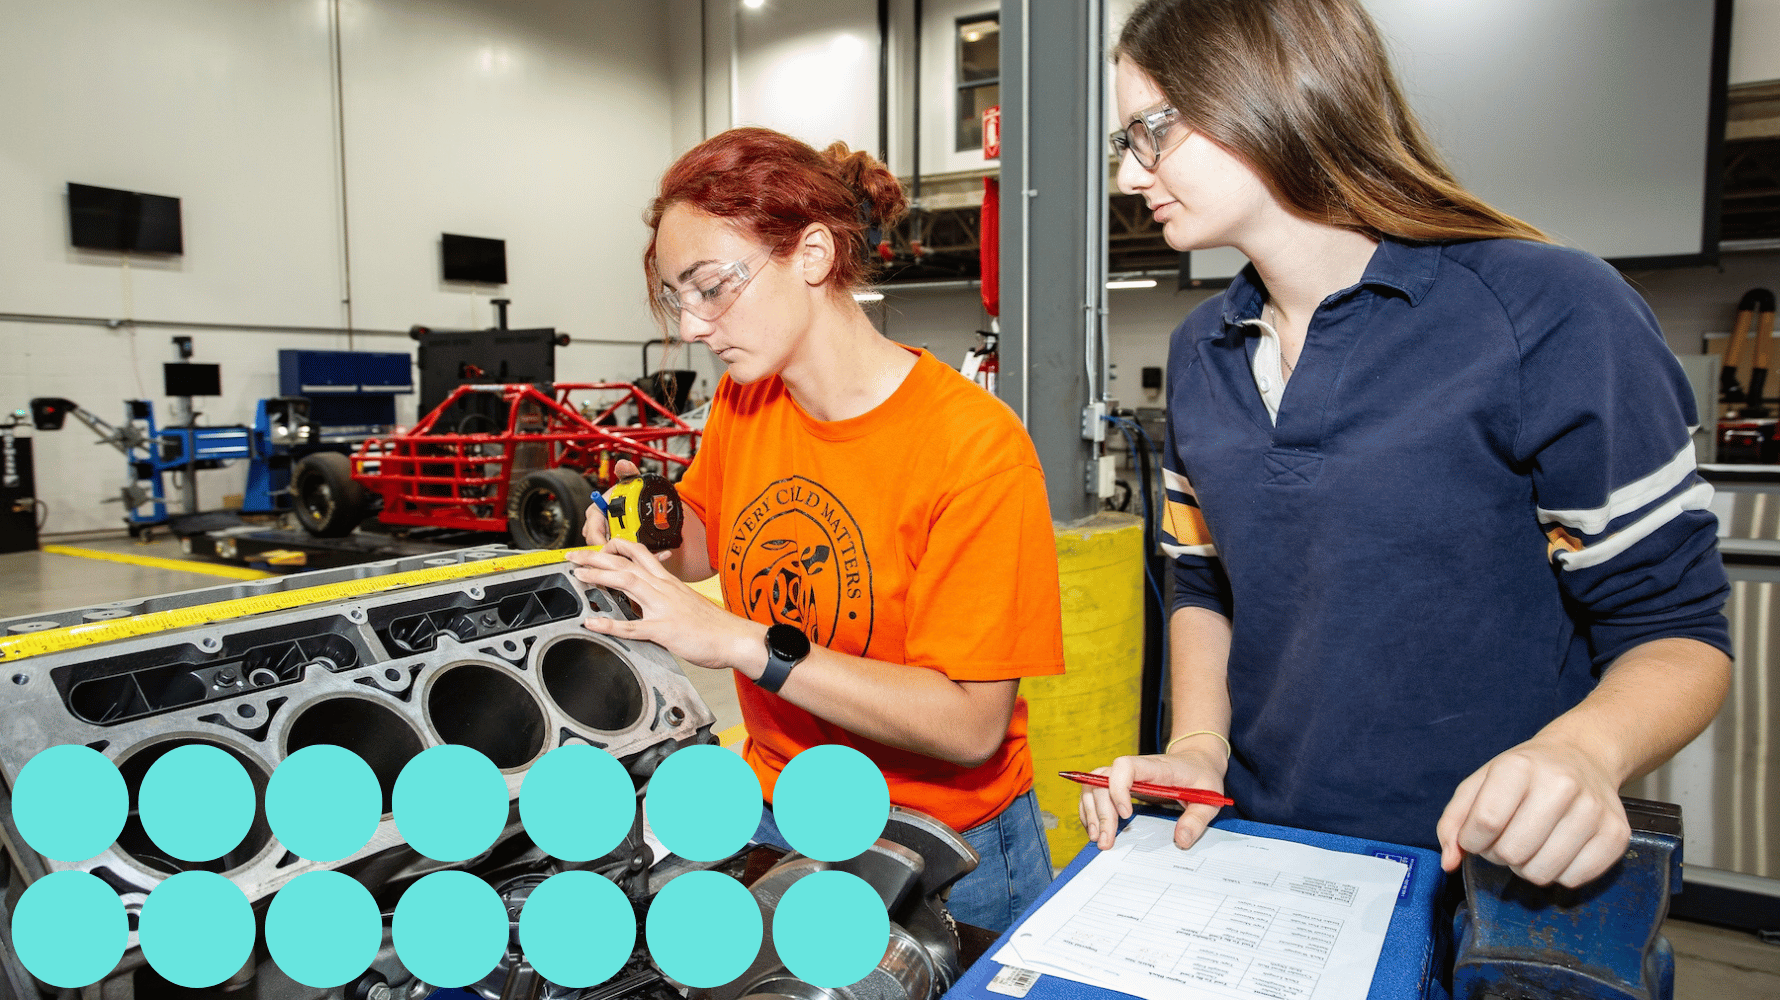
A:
[1445,570]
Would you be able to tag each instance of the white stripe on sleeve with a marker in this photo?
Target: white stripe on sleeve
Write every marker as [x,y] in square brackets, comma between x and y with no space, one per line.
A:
[1627,498]
[1697,498]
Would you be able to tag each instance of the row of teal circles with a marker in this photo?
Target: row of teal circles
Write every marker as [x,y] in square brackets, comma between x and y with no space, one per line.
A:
[450,803]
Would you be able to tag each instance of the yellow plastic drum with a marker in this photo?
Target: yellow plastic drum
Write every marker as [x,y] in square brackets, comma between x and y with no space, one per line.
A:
[1089,715]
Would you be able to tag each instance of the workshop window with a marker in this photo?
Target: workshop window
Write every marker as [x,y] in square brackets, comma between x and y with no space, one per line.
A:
[979,76]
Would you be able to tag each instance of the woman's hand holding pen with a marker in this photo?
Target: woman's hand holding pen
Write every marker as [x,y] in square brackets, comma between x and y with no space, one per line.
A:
[674,615]
[1190,766]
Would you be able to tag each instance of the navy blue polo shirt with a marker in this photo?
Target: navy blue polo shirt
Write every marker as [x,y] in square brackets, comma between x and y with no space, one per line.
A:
[1480,491]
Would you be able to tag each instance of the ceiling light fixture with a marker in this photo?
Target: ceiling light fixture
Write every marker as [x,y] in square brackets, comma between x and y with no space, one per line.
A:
[1132,283]
[868,297]
[753,4]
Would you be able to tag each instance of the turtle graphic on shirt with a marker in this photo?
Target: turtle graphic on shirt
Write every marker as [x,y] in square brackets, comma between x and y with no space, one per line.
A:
[795,557]
[780,583]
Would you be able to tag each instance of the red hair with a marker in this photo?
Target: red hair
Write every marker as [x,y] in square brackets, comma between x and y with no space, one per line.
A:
[775,187]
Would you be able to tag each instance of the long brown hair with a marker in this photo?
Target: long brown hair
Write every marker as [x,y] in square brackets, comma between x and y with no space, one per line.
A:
[1302,91]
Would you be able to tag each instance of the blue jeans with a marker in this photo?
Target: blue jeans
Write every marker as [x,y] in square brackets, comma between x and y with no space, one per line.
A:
[1015,866]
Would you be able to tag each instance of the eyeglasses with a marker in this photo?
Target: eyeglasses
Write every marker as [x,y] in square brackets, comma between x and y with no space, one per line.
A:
[713,290]
[1144,135]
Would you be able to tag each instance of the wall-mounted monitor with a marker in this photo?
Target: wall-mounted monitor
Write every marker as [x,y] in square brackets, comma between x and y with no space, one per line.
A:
[191,380]
[473,258]
[102,218]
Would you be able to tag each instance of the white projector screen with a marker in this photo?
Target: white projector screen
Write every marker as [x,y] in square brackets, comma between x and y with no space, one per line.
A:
[1599,121]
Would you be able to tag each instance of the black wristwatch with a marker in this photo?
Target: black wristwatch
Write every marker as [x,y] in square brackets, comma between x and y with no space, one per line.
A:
[786,646]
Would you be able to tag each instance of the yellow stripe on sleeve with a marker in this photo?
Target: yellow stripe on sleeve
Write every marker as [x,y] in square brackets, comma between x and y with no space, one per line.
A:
[1185,524]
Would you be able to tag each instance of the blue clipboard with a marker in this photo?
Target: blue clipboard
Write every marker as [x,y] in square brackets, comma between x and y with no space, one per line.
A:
[1405,965]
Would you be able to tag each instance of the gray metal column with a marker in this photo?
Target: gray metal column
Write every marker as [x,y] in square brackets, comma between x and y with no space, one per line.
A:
[1053,236]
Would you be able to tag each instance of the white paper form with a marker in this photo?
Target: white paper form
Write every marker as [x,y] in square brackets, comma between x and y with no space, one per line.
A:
[1234,917]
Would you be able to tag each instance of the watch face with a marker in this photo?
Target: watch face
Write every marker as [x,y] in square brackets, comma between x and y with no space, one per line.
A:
[787,642]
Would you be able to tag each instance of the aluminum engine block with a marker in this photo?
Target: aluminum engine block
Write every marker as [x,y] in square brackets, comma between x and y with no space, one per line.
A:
[498,662]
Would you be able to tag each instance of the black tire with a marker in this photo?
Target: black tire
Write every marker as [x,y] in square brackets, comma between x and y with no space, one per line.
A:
[548,508]
[327,500]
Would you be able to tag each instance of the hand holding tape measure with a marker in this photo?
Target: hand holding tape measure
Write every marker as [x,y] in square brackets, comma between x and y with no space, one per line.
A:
[643,508]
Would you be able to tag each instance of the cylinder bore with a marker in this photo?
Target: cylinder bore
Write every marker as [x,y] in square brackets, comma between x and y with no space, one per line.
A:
[134,840]
[382,737]
[593,683]
[488,710]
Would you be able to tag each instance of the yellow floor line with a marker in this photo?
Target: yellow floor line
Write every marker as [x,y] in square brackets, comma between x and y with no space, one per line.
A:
[733,735]
[211,569]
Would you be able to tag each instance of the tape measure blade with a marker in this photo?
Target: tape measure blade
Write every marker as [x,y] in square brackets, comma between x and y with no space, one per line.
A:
[15,648]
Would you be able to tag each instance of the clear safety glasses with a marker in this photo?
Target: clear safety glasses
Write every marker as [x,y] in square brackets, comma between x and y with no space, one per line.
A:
[711,291]
[1144,135]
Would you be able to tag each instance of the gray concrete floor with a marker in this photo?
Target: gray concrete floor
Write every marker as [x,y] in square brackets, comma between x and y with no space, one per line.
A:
[44,581]
[1712,963]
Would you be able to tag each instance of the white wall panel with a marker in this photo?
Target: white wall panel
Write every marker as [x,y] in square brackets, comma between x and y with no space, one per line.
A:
[809,70]
[939,82]
[687,44]
[1755,30]
[545,123]
[944,321]
[226,106]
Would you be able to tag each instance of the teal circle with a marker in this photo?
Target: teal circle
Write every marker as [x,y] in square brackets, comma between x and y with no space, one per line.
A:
[831,803]
[196,803]
[196,929]
[682,922]
[830,929]
[704,802]
[323,929]
[577,803]
[69,929]
[70,803]
[450,929]
[577,929]
[323,803]
[450,804]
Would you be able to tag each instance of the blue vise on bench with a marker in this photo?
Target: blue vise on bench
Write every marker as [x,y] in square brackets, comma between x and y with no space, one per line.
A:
[1603,941]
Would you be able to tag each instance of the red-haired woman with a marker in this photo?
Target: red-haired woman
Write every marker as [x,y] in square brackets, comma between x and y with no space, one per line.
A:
[879,523]
[1445,573]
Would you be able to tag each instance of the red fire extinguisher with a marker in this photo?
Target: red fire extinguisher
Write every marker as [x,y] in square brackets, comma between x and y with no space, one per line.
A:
[982,364]
[989,372]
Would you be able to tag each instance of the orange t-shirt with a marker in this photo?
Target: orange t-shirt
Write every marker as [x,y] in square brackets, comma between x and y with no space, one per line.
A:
[917,533]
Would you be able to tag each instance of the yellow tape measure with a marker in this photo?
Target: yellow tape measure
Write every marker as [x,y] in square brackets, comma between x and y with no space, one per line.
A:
[644,509]
[18,647]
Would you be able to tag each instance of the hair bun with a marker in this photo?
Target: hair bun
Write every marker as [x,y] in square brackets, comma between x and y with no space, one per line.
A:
[880,194]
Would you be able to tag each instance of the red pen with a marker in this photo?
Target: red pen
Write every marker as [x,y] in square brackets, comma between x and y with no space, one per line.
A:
[1199,796]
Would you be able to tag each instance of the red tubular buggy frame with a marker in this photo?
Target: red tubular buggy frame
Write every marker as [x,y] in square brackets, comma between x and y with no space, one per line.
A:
[458,480]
